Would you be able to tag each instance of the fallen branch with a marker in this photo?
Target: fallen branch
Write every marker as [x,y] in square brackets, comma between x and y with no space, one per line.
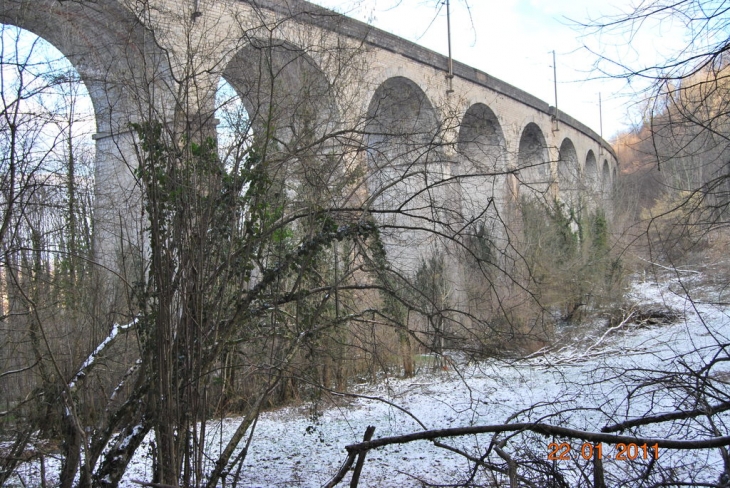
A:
[669,268]
[574,356]
[610,329]
[544,429]
[361,458]
[348,462]
[152,485]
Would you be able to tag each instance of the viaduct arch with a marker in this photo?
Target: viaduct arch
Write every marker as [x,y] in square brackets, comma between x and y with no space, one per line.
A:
[301,71]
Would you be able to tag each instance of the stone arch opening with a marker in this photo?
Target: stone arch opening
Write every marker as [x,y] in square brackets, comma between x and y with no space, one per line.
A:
[286,94]
[404,167]
[568,173]
[111,51]
[401,125]
[233,125]
[399,135]
[46,147]
[533,161]
[481,167]
[606,181]
[590,175]
[128,79]
[42,89]
[481,141]
[284,105]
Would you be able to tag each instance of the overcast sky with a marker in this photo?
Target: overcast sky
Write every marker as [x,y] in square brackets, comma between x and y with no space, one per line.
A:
[513,40]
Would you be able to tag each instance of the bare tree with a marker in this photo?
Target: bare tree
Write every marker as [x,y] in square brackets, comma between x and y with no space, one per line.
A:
[45,232]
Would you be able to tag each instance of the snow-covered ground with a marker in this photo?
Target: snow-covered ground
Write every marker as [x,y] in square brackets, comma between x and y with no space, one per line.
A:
[590,380]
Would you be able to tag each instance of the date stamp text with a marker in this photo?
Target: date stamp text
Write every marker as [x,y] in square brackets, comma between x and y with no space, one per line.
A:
[623,452]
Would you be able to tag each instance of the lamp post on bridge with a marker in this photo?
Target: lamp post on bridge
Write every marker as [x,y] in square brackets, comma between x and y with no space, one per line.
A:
[450,75]
[555,86]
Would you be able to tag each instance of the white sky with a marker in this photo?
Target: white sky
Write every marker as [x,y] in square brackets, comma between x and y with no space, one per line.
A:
[513,39]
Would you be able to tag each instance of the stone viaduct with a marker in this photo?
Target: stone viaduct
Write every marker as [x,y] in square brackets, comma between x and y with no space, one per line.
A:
[301,69]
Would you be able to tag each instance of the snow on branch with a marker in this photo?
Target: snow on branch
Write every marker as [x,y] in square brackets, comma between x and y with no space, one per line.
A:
[83,370]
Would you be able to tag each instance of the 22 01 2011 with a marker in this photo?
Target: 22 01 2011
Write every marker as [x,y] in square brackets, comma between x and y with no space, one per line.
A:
[624,452]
